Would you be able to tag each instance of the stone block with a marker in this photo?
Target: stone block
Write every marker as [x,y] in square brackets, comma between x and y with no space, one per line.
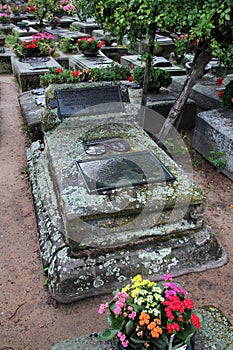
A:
[5,61]
[214,129]
[27,77]
[6,29]
[24,32]
[80,61]
[204,93]
[161,103]
[86,27]
[135,60]
[31,112]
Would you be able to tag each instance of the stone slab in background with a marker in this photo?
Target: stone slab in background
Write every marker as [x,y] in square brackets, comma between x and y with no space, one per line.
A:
[130,60]
[5,61]
[27,77]
[215,334]
[204,93]
[31,112]
[215,129]
[80,61]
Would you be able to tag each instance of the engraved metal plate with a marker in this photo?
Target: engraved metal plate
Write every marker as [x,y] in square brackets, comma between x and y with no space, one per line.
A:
[123,170]
[72,101]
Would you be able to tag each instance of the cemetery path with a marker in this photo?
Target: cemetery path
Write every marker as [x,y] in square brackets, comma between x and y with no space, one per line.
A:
[29,317]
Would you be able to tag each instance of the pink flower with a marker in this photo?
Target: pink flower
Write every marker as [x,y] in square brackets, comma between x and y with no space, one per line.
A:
[167,277]
[102,308]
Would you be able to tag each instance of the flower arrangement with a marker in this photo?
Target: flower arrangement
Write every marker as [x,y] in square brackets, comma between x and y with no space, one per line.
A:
[54,21]
[149,315]
[41,44]
[90,44]
[65,7]
[227,95]
[66,76]
[4,17]
[158,77]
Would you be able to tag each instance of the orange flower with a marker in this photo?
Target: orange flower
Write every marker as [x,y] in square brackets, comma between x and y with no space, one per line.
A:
[231,206]
[232,100]
[144,318]
[154,328]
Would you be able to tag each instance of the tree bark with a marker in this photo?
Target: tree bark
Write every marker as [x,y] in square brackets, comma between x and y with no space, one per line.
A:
[201,59]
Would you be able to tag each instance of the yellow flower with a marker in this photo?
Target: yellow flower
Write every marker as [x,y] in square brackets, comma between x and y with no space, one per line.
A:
[137,278]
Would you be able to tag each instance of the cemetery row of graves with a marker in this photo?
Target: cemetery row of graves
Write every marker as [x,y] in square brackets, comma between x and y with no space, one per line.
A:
[110,202]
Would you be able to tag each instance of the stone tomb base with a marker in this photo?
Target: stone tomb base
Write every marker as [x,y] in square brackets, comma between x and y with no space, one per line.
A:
[214,130]
[27,75]
[93,241]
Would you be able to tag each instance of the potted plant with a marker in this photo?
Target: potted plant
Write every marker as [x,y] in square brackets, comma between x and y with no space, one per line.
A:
[227,95]
[41,44]
[158,77]
[149,315]
[4,18]
[89,46]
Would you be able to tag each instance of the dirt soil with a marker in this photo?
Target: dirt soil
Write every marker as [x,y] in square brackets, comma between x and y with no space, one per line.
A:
[29,318]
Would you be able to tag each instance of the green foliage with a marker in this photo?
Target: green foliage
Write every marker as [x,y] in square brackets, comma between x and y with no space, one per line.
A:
[112,72]
[158,77]
[67,44]
[217,158]
[66,76]
[228,95]
[11,39]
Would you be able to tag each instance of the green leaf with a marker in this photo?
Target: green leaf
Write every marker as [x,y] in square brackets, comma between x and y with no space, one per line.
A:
[108,334]
[115,323]
[129,327]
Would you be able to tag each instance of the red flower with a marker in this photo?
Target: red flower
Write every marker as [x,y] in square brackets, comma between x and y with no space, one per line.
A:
[188,303]
[132,67]
[196,321]
[59,70]
[130,79]
[173,327]
[220,93]
[219,81]
[75,73]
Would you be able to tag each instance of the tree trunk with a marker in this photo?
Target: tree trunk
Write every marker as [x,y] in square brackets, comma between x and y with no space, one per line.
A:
[201,59]
[150,54]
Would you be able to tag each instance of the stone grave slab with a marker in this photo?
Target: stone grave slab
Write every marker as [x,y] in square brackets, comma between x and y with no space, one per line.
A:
[28,74]
[214,323]
[215,128]
[24,32]
[204,92]
[5,60]
[159,61]
[32,104]
[6,29]
[80,61]
[161,103]
[86,27]
[60,32]
[165,46]
[91,241]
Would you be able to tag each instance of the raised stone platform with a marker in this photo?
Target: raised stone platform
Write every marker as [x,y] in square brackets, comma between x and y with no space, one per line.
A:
[86,27]
[28,75]
[159,62]
[32,105]
[6,29]
[24,32]
[204,93]
[215,334]
[93,236]
[77,62]
[60,33]
[214,129]
[5,61]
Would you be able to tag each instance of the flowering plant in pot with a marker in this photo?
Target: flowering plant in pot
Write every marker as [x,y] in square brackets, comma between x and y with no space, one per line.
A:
[227,95]
[90,45]
[148,315]
[41,44]
[158,77]
[4,18]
